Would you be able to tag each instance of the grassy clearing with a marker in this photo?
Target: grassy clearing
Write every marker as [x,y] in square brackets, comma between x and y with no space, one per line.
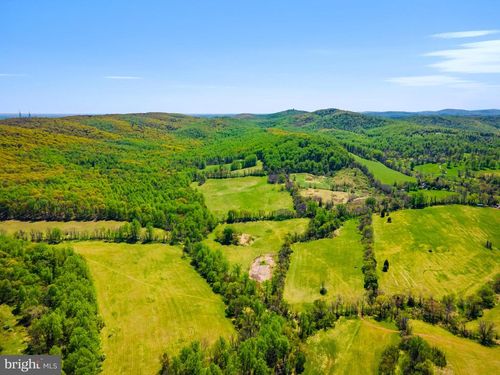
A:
[267,238]
[335,261]
[237,172]
[307,180]
[12,226]
[382,173]
[14,335]
[464,356]
[434,194]
[151,300]
[436,169]
[352,347]
[490,315]
[252,194]
[350,180]
[437,250]
[84,228]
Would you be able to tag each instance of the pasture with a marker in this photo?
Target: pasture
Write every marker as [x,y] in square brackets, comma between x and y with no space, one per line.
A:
[383,173]
[437,250]
[251,194]
[434,194]
[267,238]
[336,262]
[12,226]
[352,347]
[151,301]
[464,356]
[307,180]
[237,172]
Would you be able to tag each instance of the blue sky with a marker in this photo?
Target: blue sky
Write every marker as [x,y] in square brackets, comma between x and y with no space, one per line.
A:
[248,56]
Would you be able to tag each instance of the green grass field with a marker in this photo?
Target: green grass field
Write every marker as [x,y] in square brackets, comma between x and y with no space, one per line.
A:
[490,315]
[13,337]
[252,194]
[335,261]
[435,194]
[268,236]
[437,250]
[436,169]
[352,347]
[464,356]
[82,227]
[12,226]
[382,173]
[307,180]
[227,167]
[151,301]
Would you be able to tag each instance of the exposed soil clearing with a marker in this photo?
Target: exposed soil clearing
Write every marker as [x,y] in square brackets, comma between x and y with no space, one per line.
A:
[262,268]
[245,239]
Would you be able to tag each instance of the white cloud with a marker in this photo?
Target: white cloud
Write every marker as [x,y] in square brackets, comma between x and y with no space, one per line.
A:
[429,80]
[477,57]
[123,77]
[464,34]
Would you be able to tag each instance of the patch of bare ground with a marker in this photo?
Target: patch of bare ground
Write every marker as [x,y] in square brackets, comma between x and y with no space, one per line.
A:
[262,268]
[336,197]
[245,239]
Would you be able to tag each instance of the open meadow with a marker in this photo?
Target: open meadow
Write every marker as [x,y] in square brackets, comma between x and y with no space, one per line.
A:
[383,173]
[151,301]
[336,262]
[266,237]
[437,250]
[464,356]
[354,346]
[251,194]
[12,226]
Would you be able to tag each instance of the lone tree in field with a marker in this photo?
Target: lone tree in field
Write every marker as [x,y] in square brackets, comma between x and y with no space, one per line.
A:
[323,289]
[385,268]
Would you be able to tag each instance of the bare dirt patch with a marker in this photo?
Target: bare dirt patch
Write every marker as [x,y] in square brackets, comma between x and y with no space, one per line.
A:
[245,239]
[262,268]
[336,197]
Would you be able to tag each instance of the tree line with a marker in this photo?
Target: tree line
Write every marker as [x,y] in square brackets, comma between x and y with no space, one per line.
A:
[52,292]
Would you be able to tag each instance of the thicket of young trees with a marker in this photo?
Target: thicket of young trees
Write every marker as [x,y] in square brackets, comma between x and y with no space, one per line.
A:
[51,291]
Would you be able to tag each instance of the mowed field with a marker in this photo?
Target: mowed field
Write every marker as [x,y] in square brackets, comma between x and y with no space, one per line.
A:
[352,347]
[151,301]
[464,356]
[336,262]
[267,238]
[12,226]
[437,250]
[383,173]
[252,194]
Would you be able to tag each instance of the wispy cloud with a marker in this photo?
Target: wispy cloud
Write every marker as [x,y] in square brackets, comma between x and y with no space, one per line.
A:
[428,80]
[464,34]
[123,77]
[478,57]
[12,75]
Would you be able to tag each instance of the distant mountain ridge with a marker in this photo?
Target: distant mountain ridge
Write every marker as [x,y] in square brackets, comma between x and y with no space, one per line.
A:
[442,112]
